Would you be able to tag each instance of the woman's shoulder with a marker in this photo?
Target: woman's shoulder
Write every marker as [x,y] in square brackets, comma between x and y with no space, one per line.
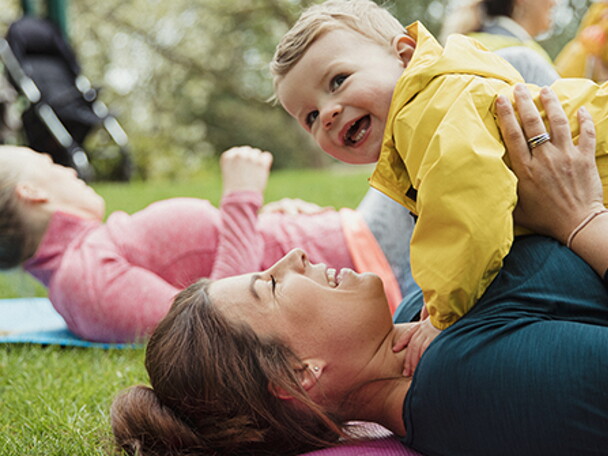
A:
[532,66]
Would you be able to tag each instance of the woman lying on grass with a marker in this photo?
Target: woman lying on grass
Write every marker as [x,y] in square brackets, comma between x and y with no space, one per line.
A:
[278,362]
[114,281]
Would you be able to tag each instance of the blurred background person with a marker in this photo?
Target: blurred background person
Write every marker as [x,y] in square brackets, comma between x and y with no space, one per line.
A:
[508,27]
[586,55]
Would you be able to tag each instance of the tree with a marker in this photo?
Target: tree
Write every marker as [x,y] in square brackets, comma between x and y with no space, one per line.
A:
[189,78]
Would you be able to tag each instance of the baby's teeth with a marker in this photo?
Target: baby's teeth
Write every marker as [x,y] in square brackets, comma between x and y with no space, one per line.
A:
[360,135]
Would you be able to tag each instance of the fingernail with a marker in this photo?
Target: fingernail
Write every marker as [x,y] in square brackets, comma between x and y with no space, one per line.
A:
[501,101]
[583,110]
[521,89]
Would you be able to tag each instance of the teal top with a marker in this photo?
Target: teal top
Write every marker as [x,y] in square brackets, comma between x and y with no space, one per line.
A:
[525,371]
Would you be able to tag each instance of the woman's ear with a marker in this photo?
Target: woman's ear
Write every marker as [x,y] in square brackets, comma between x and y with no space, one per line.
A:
[404,46]
[30,194]
[308,377]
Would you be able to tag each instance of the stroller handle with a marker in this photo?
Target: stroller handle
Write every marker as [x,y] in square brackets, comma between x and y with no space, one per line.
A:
[25,83]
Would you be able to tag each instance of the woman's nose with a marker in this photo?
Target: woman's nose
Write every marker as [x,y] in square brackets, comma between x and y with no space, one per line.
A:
[295,260]
[329,115]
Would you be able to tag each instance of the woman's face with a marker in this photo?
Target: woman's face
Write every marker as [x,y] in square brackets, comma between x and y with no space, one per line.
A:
[314,310]
[59,184]
[537,16]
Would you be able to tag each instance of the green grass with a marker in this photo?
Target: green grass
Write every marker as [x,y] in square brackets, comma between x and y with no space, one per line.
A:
[55,401]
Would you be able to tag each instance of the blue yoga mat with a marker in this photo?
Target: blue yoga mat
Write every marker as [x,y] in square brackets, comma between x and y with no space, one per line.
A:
[34,320]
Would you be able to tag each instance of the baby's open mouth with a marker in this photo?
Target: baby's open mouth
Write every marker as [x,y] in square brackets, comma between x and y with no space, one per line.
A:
[357,131]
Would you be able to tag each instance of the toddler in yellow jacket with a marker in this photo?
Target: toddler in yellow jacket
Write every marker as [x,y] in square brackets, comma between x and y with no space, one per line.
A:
[369,90]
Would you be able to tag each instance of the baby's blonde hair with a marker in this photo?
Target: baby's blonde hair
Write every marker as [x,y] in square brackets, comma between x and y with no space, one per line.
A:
[362,16]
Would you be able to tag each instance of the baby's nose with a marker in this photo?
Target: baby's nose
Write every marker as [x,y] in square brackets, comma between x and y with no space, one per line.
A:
[330,116]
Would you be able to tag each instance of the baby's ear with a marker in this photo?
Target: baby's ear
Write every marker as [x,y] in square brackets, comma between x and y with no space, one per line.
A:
[404,46]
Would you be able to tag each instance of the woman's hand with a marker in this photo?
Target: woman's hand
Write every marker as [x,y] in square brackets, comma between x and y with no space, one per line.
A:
[245,168]
[560,191]
[559,185]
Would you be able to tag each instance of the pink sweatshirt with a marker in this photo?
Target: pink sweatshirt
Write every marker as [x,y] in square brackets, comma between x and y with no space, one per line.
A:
[114,281]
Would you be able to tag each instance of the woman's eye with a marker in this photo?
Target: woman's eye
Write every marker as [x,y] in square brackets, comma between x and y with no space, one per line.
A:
[311,117]
[274,283]
[337,81]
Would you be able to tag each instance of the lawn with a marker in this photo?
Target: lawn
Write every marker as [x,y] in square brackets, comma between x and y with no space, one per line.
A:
[55,401]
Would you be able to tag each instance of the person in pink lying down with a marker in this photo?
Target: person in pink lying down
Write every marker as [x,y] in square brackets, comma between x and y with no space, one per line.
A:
[114,281]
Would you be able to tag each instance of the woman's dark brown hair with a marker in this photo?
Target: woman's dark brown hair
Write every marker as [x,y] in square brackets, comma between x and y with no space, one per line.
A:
[211,391]
[498,7]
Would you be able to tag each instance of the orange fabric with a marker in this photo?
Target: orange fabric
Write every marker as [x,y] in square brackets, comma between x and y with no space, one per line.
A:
[368,256]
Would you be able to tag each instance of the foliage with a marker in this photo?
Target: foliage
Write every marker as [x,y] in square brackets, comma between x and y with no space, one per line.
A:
[189,78]
[193,75]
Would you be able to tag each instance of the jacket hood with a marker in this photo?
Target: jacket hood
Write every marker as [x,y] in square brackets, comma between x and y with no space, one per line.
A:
[461,55]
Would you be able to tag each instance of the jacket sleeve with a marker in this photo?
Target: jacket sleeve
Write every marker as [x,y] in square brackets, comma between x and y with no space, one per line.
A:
[241,245]
[465,198]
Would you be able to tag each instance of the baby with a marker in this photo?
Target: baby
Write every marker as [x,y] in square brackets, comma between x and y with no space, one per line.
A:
[369,90]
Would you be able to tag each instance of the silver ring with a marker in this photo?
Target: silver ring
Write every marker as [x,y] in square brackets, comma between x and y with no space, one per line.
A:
[538,140]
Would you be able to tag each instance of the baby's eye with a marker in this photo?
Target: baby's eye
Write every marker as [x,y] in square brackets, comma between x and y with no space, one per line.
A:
[311,117]
[337,81]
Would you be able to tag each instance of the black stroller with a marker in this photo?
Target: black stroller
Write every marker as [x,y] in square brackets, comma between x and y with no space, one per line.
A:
[63,106]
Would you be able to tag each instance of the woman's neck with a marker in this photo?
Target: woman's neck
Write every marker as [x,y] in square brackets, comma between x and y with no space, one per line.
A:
[37,218]
[517,29]
[381,399]
[37,223]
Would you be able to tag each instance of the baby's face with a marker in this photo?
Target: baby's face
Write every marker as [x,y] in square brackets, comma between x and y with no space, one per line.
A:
[340,92]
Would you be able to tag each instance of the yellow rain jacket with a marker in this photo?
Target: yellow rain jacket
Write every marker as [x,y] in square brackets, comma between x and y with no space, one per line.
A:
[443,158]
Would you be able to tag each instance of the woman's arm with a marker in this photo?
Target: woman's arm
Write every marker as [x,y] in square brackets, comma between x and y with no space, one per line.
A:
[245,172]
[559,186]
